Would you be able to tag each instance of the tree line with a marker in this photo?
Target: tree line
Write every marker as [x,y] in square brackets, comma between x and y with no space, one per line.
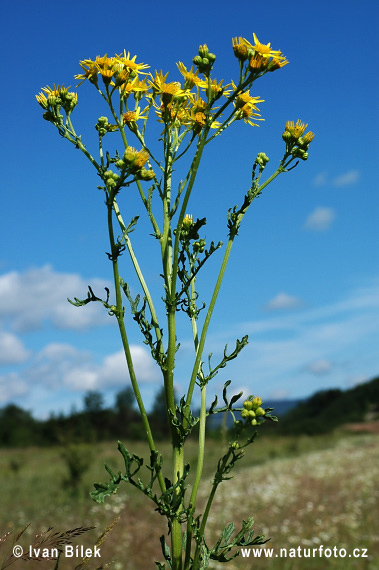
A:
[95,422]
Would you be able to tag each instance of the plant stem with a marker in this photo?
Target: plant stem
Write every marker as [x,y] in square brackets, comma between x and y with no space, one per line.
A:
[119,313]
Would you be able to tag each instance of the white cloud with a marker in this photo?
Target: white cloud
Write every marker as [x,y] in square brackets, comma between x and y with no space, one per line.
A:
[350,177]
[320,219]
[319,367]
[321,179]
[11,387]
[28,299]
[283,301]
[59,366]
[12,350]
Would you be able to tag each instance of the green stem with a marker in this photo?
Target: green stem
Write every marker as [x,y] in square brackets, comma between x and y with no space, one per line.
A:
[119,313]
[216,482]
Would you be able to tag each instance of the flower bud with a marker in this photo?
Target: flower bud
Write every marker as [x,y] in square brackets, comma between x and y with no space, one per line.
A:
[248,405]
[245,413]
[254,422]
[203,51]
[257,401]
[197,60]
[260,412]
[145,174]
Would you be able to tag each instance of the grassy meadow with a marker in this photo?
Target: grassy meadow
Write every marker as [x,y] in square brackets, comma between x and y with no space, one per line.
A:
[301,491]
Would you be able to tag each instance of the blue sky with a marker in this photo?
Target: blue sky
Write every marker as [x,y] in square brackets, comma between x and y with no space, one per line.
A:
[303,280]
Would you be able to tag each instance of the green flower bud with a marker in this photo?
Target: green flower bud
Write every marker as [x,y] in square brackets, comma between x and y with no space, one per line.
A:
[254,422]
[257,401]
[102,121]
[111,183]
[245,413]
[203,51]
[286,136]
[197,60]
[259,412]
[120,164]
[211,57]
[248,405]
[145,174]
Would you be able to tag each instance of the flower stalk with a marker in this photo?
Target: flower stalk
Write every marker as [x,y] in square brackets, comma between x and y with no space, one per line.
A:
[193,113]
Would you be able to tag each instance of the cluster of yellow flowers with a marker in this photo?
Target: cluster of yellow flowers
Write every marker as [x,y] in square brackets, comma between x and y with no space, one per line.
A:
[174,103]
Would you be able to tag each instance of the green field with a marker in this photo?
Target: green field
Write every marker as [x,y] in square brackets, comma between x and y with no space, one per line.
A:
[303,492]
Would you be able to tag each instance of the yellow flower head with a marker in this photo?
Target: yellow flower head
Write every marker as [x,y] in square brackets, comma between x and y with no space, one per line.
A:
[191,77]
[217,89]
[241,48]
[295,130]
[135,159]
[247,113]
[187,221]
[265,49]
[258,63]
[130,64]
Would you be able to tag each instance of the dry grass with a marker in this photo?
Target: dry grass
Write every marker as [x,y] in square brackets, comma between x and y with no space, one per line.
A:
[298,498]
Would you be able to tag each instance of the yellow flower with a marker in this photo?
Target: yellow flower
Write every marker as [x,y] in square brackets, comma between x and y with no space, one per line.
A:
[187,221]
[135,159]
[191,77]
[258,63]
[265,50]
[217,89]
[245,98]
[241,48]
[308,138]
[109,68]
[297,130]
[247,113]
[130,118]
[130,64]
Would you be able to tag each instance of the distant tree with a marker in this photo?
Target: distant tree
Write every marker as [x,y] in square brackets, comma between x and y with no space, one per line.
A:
[93,402]
[158,414]
[18,427]
[125,401]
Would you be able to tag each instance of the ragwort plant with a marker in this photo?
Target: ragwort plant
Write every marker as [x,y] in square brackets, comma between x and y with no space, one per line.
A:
[192,114]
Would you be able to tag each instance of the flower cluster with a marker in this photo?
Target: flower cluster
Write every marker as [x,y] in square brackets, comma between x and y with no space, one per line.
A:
[253,411]
[118,71]
[259,57]
[52,100]
[296,142]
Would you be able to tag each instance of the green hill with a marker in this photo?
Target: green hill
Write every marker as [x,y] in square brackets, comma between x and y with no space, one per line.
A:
[328,409]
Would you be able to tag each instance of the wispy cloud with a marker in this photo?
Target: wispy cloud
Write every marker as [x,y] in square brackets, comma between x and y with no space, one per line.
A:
[350,177]
[29,298]
[344,179]
[282,301]
[301,352]
[320,219]
[319,367]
